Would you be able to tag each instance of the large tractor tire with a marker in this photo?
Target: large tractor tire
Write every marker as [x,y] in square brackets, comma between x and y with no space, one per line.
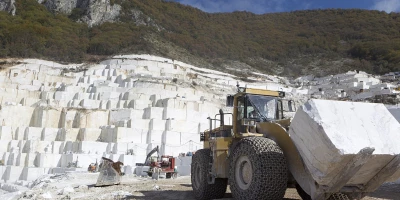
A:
[258,170]
[305,196]
[339,196]
[200,169]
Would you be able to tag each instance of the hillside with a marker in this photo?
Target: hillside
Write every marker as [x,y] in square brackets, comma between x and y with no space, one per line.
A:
[291,44]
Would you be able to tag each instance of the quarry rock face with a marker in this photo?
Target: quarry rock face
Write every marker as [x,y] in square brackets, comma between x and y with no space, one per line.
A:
[95,12]
[329,134]
[52,121]
[8,6]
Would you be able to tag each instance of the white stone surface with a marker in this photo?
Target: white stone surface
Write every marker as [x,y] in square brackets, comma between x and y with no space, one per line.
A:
[328,133]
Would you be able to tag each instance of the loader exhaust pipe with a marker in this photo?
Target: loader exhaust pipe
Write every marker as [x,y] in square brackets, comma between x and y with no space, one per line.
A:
[221,116]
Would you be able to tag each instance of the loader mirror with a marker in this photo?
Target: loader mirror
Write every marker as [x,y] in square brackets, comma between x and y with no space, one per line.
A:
[289,106]
[229,101]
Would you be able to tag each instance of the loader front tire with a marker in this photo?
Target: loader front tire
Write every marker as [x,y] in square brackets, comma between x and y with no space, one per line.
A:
[305,196]
[339,196]
[258,170]
[200,170]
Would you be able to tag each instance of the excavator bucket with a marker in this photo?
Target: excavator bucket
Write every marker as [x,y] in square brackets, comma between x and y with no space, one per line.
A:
[108,174]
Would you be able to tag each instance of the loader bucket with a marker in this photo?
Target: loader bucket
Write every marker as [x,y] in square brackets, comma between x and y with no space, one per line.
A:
[108,175]
[346,147]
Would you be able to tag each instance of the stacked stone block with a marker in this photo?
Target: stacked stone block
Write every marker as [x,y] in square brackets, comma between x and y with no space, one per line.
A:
[56,118]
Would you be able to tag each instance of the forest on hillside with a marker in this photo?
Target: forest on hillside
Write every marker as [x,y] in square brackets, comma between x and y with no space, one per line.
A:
[371,38]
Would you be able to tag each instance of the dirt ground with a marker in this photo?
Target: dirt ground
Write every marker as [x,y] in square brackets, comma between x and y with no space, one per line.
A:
[175,189]
[182,189]
[147,189]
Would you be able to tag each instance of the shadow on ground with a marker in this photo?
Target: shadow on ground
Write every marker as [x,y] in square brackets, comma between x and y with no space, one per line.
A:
[387,191]
[174,195]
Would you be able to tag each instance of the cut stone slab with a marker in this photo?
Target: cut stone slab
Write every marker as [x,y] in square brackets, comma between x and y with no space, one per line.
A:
[155,136]
[133,135]
[328,134]
[88,147]
[6,133]
[89,134]
[32,173]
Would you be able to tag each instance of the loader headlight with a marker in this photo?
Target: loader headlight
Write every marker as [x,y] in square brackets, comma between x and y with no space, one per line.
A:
[281,94]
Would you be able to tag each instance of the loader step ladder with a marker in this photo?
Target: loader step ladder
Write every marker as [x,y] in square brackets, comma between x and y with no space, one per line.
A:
[211,177]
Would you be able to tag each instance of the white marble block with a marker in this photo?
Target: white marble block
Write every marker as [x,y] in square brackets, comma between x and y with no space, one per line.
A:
[182,126]
[33,133]
[187,137]
[10,158]
[158,124]
[176,114]
[21,157]
[171,138]
[329,133]
[50,134]
[125,115]
[58,147]
[70,134]
[30,160]
[89,147]
[32,173]
[89,134]
[12,173]
[155,136]
[92,119]
[172,150]
[186,160]
[4,145]
[6,133]
[9,118]
[33,146]
[184,170]
[133,135]
[140,104]
[15,146]
[19,133]
[139,124]
[153,113]
[49,160]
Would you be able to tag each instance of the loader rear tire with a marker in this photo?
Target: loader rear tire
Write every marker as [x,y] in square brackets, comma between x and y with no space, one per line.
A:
[305,196]
[200,169]
[258,170]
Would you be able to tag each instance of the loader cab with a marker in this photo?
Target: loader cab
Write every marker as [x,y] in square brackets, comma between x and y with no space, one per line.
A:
[253,106]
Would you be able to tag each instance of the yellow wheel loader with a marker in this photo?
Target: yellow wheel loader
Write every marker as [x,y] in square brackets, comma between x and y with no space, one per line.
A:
[256,156]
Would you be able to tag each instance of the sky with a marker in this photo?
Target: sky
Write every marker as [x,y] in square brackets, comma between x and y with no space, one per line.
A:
[270,6]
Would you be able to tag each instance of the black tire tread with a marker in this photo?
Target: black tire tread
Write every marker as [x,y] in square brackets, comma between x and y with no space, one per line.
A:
[270,174]
[206,191]
[305,196]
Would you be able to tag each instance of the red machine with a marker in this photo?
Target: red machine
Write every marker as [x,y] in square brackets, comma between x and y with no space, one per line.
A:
[165,165]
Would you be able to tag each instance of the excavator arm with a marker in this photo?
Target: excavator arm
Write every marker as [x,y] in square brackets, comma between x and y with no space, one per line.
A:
[147,162]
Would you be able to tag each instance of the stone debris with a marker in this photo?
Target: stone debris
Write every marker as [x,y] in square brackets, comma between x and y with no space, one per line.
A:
[47,195]
[66,191]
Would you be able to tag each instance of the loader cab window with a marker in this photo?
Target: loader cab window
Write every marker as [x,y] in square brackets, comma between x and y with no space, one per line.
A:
[262,108]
